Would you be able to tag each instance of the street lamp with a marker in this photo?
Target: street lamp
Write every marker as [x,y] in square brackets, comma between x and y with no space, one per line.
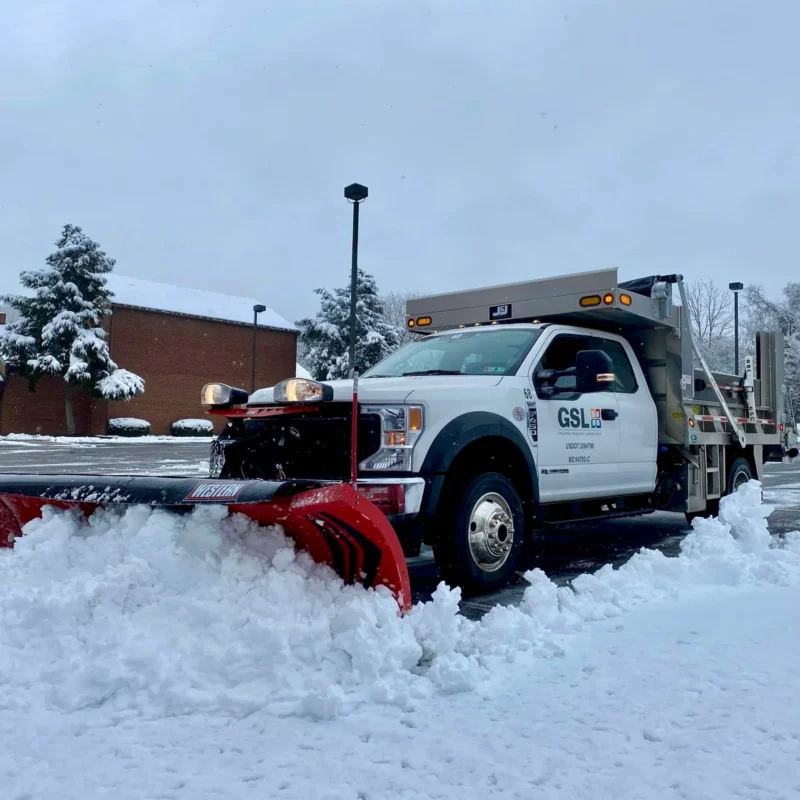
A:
[257,309]
[356,194]
[736,288]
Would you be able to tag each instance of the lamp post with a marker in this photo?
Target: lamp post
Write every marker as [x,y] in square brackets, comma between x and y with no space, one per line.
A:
[257,309]
[356,194]
[736,288]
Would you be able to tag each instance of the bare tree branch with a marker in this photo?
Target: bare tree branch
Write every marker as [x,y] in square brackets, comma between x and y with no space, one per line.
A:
[394,307]
[710,309]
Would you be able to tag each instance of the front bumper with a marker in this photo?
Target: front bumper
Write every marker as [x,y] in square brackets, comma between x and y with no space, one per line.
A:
[396,497]
[402,500]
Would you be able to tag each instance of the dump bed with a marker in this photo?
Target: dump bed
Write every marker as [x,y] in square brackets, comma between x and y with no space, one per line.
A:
[564,299]
[695,406]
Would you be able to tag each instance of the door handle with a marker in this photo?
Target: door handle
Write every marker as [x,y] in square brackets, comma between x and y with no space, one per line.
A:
[608,414]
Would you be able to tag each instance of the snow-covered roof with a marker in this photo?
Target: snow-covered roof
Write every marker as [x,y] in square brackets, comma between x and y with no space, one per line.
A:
[301,371]
[193,302]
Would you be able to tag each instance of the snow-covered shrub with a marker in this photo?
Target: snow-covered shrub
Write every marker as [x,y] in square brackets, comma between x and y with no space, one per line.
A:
[128,426]
[193,427]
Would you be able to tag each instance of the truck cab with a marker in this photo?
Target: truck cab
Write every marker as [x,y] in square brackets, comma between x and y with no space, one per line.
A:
[520,406]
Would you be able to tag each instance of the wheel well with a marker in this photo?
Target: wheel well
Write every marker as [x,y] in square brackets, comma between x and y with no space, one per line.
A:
[492,454]
[734,453]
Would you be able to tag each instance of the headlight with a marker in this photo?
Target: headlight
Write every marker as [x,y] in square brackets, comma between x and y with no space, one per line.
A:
[300,390]
[220,394]
[401,427]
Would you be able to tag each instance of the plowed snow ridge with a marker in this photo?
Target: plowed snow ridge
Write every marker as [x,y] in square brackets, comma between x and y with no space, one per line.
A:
[154,615]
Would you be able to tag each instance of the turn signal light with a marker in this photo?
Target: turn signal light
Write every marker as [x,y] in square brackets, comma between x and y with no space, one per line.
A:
[415,419]
[423,321]
[625,299]
[394,438]
[591,300]
[608,299]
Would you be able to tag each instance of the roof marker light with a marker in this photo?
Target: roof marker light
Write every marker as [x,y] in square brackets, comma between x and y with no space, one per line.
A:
[423,322]
[625,299]
[590,300]
[608,299]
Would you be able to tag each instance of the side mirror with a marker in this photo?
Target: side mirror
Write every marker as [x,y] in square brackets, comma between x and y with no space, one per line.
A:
[595,371]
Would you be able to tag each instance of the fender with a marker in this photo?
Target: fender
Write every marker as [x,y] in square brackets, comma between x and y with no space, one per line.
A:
[463,430]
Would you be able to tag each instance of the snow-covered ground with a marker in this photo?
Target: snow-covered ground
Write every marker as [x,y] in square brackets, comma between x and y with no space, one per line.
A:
[23,439]
[160,656]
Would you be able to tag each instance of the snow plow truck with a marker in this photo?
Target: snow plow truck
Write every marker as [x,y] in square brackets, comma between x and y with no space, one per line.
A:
[517,406]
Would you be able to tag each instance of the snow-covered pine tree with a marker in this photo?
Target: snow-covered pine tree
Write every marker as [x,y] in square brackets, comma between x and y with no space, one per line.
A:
[59,329]
[326,338]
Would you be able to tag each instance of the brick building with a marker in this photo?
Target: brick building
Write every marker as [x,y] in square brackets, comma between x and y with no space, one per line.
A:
[177,340]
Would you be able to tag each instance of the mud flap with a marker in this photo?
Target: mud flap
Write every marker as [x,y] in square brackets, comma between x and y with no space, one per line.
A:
[332,522]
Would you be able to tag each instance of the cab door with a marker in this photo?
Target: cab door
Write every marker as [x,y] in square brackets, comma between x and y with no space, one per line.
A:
[578,434]
[638,418]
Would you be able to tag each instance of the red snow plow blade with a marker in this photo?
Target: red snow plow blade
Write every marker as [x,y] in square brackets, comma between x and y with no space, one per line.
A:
[332,522]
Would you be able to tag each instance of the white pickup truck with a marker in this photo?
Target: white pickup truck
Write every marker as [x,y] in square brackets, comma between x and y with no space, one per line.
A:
[526,405]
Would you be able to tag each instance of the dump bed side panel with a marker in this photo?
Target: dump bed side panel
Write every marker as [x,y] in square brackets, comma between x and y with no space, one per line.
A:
[660,353]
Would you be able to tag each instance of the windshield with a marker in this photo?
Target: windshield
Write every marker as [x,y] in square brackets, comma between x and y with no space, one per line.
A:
[496,352]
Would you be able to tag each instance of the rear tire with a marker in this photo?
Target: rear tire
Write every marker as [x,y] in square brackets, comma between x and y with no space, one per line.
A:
[482,531]
[739,474]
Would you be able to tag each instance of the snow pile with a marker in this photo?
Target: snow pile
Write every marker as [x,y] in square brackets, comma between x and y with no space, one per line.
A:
[128,426]
[151,614]
[163,614]
[192,427]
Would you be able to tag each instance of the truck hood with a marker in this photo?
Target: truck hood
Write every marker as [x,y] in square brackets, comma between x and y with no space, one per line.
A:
[391,390]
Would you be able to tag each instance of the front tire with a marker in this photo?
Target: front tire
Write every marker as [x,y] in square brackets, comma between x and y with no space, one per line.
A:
[480,542]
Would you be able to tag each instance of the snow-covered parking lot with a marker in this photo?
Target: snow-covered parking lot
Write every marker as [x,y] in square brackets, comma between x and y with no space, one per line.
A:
[151,656]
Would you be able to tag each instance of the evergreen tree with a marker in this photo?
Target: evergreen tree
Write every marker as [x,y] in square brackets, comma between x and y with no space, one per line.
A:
[326,338]
[59,329]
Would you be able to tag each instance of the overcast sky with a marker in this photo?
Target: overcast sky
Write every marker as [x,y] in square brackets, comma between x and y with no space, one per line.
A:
[208,143]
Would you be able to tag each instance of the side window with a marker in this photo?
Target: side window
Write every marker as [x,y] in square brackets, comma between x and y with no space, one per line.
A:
[554,374]
[624,376]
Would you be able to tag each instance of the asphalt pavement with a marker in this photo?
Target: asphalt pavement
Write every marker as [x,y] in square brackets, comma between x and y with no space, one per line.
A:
[562,553]
[105,457]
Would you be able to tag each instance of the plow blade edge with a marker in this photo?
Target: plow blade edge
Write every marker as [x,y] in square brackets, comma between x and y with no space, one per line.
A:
[332,522]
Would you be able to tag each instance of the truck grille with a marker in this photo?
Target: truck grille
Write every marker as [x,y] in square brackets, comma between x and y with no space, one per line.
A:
[315,445]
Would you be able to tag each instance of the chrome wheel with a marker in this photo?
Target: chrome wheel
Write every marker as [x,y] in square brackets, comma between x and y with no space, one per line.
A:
[491,532]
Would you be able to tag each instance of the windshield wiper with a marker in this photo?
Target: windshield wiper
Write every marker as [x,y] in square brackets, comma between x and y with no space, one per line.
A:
[434,372]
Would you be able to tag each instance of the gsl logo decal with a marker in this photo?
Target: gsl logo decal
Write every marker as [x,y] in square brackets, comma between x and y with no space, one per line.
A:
[576,418]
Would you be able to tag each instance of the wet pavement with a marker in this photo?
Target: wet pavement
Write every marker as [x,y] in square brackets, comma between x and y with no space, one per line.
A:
[105,457]
[562,553]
